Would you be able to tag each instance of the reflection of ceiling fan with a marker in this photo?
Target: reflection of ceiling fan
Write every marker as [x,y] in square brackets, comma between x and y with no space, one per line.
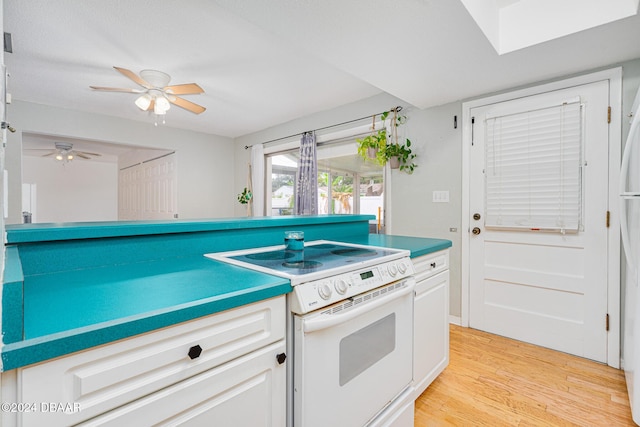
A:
[64,152]
[156,95]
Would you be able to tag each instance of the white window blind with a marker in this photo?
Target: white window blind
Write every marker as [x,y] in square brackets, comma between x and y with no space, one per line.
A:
[533,173]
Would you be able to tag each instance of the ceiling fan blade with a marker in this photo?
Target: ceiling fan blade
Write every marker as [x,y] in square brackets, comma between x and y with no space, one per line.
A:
[82,156]
[133,76]
[184,89]
[151,105]
[86,153]
[49,154]
[187,105]
[117,89]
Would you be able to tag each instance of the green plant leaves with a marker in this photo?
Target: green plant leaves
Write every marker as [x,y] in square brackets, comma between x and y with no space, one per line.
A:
[387,150]
[245,196]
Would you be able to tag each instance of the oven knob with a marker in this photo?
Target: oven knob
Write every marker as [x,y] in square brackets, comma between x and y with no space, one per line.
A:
[324,291]
[341,286]
[393,270]
[402,267]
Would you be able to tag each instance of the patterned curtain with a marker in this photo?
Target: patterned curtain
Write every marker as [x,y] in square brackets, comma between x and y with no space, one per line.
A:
[306,201]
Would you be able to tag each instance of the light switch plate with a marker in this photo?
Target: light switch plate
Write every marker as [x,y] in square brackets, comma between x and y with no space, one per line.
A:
[441,196]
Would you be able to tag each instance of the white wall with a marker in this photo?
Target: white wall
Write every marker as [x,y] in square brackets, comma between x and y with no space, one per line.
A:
[77,191]
[205,162]
[412,210]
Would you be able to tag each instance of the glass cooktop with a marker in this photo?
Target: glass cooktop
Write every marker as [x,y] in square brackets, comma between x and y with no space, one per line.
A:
[314,257]
[320,258]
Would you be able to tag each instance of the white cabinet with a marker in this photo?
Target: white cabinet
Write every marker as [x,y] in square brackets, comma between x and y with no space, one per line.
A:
[431,319]
[248,391]
[212,368]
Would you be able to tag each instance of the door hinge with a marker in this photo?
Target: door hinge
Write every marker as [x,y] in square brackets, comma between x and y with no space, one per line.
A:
[607,322]
[608,114]
[608,219]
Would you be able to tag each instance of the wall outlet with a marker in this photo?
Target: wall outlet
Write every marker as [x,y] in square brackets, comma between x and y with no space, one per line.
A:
[440,197]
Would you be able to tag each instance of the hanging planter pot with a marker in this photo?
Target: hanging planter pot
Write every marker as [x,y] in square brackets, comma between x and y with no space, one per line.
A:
[372,152]
[394,162]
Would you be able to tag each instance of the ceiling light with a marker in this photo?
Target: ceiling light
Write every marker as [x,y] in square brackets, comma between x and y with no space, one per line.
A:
[161,105]
[144,101]
[64,152]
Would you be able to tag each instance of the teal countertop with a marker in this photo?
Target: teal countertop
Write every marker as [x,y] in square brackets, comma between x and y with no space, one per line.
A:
[70,287]
[25,233]
[417,245]
[75,310]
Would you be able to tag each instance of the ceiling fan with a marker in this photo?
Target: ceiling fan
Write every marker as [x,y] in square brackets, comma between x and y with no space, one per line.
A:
[64,152]
[156,95]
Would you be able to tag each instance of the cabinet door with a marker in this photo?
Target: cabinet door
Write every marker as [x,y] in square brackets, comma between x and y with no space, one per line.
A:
[98,380]
[430,330]
[248,391]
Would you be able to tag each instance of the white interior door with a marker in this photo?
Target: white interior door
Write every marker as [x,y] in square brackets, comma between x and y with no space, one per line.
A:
[149,190]
[539,280]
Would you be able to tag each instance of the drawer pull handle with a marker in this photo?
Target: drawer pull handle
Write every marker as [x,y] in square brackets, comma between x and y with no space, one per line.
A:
[281,358]
[195,352]
[433,265]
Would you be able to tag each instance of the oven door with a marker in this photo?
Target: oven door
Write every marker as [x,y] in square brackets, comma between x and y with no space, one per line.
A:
[353,358]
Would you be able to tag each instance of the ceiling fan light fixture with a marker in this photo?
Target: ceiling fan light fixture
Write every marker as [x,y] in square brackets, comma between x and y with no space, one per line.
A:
[161,106]
[144,101]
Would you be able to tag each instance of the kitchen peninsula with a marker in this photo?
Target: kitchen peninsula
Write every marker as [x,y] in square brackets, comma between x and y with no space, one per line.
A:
[94,286]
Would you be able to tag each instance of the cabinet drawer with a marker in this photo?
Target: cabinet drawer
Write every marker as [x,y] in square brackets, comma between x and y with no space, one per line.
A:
[248,391]
[431,264]
[101,379]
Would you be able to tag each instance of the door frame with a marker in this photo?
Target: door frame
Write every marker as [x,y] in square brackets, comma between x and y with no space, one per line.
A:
[614,76]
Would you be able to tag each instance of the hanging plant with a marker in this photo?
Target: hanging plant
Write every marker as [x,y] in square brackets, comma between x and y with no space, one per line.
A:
[399,155]
[245,197]
[382,147]
[371,147]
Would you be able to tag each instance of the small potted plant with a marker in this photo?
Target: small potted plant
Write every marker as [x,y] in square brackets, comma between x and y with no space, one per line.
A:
[370,146]
[400,156]
[245,199]
[397,154]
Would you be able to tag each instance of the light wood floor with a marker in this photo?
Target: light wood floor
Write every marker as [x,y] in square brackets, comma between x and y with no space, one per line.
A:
[495,381]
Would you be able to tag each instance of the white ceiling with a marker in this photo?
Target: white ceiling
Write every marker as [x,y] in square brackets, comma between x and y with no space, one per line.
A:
[262,63]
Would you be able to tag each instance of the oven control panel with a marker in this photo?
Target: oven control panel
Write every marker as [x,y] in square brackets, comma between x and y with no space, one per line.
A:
[316,294]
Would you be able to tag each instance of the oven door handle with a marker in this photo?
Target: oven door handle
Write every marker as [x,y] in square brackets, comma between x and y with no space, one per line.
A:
[323,322]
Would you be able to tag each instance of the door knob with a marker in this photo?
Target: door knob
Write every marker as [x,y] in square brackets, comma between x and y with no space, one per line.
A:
[476,216]
[475,231]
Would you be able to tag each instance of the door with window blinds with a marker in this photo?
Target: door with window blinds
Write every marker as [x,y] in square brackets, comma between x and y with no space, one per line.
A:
[538,196]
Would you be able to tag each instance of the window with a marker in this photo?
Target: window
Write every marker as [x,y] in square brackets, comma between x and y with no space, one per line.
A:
[346,183]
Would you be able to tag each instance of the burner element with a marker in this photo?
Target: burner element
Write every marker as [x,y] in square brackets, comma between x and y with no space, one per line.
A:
[273,255]
[303,265]
[359,252]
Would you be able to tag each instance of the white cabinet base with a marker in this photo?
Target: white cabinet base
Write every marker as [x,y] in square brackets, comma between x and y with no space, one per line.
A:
[215,366]
[431,320]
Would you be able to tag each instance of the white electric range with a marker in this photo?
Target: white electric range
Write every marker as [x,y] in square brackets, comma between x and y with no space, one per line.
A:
[350,329]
